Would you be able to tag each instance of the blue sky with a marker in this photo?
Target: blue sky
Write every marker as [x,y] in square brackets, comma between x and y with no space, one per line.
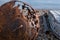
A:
[41,4]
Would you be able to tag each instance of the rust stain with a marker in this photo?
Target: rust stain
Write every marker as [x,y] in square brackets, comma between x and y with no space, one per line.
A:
[11,20]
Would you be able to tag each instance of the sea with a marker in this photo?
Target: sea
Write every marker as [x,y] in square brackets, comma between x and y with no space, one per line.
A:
[39,4]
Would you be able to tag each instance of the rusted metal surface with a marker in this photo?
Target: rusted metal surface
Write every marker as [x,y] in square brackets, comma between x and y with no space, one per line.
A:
[14,25]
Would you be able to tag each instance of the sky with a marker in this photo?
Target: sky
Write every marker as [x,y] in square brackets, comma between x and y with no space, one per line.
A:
[40,4]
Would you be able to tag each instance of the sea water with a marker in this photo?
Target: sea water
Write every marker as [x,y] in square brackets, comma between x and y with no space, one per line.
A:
[40,4]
